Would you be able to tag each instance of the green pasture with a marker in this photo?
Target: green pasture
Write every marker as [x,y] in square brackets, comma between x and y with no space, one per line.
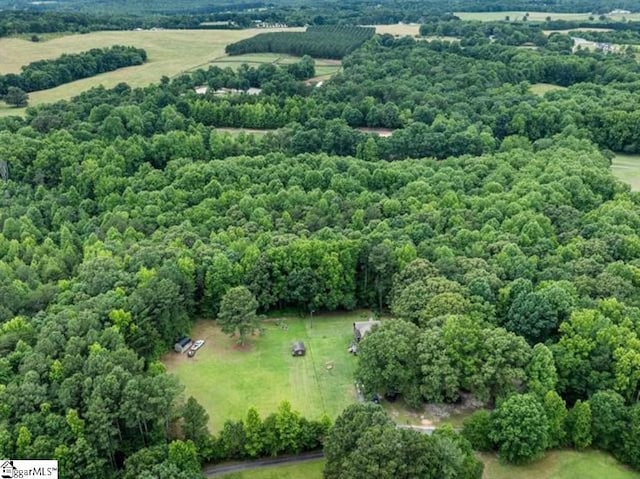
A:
[6,110]
[323,66]
[170,52]
[227,379]
[627,168]
[565,464]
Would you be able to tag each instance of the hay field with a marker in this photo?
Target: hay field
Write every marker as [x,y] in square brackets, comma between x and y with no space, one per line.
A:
[170,53]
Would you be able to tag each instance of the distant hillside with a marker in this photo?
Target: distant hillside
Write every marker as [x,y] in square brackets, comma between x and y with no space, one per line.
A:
[402,10]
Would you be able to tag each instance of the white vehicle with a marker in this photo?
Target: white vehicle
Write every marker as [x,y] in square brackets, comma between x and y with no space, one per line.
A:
[197,345]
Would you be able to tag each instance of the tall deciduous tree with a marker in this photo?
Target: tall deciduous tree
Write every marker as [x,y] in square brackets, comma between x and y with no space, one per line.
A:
[580,424]
[608,419]
[520,428]
[238,313]
[541,371]
[556,411]
[16,97]
[388,359]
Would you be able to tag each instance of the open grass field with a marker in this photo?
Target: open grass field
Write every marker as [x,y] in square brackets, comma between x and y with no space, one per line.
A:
[537,16]
[566,464]
[584,29]
[227,379]
[555,465]
[627,168]
[323,66]
[6,110]
[542,88]
[403,29]
[170,52]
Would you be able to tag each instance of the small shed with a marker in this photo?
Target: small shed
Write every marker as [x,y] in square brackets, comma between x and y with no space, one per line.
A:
[362,328]
[298,349]
[182,344]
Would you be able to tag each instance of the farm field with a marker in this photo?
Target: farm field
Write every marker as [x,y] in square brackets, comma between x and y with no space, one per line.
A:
[565,464]
[583,29]
[411,29]
[536,16]
[627,168]
[542,88]
[398,29]
[227,379]
[170,52]
[323,66]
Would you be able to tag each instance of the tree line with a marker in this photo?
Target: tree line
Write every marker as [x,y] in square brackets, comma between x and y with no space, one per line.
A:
[524,426]
[498,237]
[44,74]
[317,41]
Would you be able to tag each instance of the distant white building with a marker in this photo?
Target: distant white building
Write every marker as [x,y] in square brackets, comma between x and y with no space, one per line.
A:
[619,11]
[235,91]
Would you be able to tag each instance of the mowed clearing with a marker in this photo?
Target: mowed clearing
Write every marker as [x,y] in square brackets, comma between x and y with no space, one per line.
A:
[627,168]
[398,29]
[323,66]
[307,470]
[564,464]
[170,52]
[542,88]
[227,379]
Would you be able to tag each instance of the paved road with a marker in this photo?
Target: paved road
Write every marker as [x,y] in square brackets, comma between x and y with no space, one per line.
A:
[218,470]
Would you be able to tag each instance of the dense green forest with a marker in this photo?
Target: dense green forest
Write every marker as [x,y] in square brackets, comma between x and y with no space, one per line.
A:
[45,74]
[489,225]
[318,41]
[390,11]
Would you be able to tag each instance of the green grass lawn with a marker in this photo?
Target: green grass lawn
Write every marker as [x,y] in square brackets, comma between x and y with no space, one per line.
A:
[227,379]
[555,465]
[627,168]
[305,470]
[542,88]
[565,464]
[6,110]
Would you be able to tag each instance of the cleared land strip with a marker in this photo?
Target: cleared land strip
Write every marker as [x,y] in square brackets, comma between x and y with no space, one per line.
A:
[219,470]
